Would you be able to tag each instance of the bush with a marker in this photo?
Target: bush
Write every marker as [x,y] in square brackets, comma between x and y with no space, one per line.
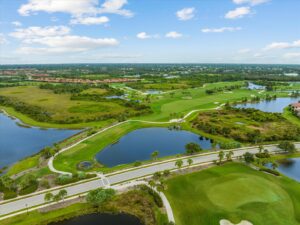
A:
[137,163]
[262,155]
[28,190]
[156,197]
[9,195]
[274,172]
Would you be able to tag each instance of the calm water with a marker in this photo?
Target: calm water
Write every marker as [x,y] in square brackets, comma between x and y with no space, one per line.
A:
[291,168]
[18,142]
[253,86]
[275,106]
[102,219]
[139,144]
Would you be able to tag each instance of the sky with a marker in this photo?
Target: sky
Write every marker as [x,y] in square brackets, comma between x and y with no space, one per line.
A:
[149,31]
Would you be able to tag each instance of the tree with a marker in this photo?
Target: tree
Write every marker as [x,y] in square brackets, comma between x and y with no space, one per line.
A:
[229,155]
[287,146]
[48,197]
[248,157]
[7,182]
[261,148]
[99,196]
[63,193]
[221,156]
[57,198]
[151,183]
[154,155]
[27,180]
[161,186]
[179,163]
[190,161]
[166,173]
[274,165]
[157,175]
[192,148]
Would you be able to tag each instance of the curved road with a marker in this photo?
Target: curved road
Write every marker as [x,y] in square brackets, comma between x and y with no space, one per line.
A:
[120,177]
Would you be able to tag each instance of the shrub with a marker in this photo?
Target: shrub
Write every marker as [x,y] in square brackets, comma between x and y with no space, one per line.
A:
[274,172]
[9,195]
[28,190]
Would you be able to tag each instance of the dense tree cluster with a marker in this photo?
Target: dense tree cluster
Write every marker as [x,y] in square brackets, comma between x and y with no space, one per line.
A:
[256,126]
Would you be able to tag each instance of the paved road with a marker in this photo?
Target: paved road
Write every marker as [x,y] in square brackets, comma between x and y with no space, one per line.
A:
[119,178]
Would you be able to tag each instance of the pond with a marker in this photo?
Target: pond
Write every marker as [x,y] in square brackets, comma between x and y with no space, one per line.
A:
[289,167]
[139,144]
[275,106]
[101,219]
[18,141]
[253,86]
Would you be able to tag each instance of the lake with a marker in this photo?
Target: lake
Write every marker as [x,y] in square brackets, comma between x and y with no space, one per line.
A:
[289,167]
[101,219]
[18,142]
[139,144]
[275,106]
[253,86]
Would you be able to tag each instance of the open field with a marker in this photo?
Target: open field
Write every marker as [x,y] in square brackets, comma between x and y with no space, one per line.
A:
[61,108]
[234,192]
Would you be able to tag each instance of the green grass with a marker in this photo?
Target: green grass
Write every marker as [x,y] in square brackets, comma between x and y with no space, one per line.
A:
[60,106]
[24,164]
[234,192]
[290,116]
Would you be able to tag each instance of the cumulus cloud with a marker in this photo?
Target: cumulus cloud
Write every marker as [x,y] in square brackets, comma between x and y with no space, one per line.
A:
[185,14]
[250,2]
[16,23]
[220,30]
[282,45]
[82,11]
[144,35]
[33,32]
[66,44]
[90,20]
[238,13]
[173,34]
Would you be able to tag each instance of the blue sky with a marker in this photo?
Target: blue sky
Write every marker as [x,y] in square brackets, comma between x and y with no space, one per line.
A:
[149,31]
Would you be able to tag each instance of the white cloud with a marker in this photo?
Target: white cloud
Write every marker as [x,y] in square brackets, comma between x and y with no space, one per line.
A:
[282,45]
[16,23]
[115,7]
[144,35]
[244,51]
[185,14]
[3,39]
[90,20]
[32,32]
[220,30]
[238,13]
[82,11]
[66,44]
[173,34]
[250,2]
[77,7]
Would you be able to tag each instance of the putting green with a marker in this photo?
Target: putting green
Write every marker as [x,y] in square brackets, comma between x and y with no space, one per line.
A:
[234,192]
[244,190]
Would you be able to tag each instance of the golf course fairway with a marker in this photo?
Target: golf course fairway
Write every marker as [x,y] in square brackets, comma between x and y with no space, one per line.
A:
[234,192]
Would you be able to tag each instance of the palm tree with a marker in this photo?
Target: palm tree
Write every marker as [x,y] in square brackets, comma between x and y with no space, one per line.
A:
[261,148]
[48,197]
[151,183]
[63,193]
[229,155]
[161,186]
[154,155]
[190,161]
[221,156]
[179,163]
